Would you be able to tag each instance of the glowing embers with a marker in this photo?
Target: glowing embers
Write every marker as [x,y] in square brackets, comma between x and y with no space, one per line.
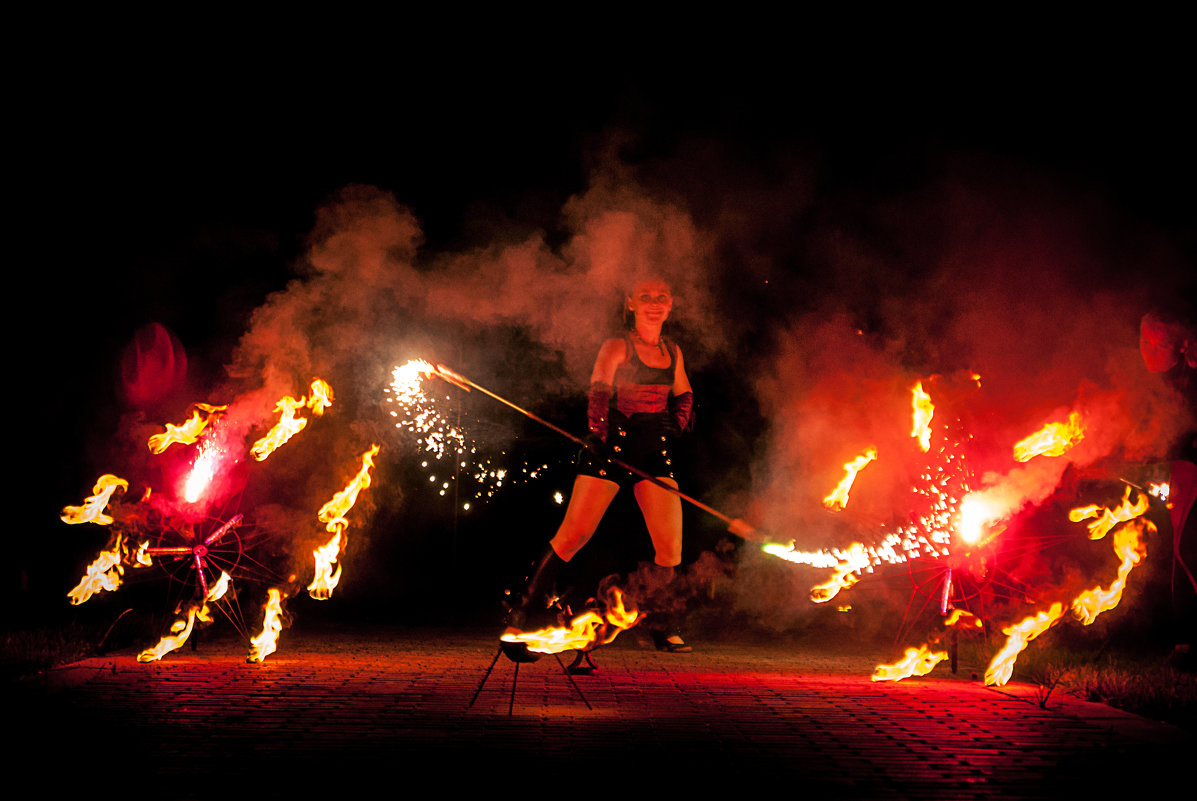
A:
[266,643]
[181,628]
[188,432]
[838,498]
[289,424]
[585,630]
[92,509]
[332,514]
[1054,439]
[923,411]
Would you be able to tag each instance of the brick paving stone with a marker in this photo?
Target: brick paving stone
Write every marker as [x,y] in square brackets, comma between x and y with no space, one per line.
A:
[392,706]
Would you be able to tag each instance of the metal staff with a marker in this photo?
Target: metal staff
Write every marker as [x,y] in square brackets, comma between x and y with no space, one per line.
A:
[734,525]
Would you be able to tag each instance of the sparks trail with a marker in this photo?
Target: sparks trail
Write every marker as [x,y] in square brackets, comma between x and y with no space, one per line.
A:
[448,441]
[735,525]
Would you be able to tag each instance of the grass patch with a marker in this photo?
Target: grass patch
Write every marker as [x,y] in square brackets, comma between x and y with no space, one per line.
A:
[1144,685]
[32,650]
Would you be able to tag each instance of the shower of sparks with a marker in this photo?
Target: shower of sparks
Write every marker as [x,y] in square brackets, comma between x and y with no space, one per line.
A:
[939,493]
[452,454]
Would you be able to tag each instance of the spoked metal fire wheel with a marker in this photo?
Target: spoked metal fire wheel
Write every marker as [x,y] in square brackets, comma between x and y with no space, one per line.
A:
[197,554]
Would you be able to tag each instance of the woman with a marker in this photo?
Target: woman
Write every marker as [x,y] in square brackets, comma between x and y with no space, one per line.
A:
[640,398]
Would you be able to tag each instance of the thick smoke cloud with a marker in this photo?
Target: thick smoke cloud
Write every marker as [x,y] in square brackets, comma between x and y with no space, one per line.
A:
[368,282]
[1037,290]
[808,313]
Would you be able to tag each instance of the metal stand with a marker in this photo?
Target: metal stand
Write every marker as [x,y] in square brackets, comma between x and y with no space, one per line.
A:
[516,676]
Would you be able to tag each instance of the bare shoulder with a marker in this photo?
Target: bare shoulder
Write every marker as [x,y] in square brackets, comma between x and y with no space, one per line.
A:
[612,353]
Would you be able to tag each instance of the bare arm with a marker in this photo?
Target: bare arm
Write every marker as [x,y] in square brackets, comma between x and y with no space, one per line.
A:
[681,383]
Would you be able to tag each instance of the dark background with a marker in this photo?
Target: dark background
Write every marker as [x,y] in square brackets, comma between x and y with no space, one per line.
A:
[176,183]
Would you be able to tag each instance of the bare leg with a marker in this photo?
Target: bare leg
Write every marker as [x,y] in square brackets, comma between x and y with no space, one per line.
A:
[587,503]
[663,517]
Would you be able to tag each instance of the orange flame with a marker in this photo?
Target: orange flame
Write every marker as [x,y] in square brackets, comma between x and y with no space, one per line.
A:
[104,573]
[917,662]
[321,397]
[838,498]
[332,514]
[1108,518]
[1054,439]
[287,426]
[923,411]
[1131,550]
[186,433]
[1019,635]
[181,629]
[844,574]
[92,510]
[326,578]
[266,643]
[960,618]
[583,631]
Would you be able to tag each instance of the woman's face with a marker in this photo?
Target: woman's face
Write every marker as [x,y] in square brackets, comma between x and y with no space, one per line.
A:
[650,301]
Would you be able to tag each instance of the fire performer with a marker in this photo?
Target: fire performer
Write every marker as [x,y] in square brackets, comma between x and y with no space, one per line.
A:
[640,399]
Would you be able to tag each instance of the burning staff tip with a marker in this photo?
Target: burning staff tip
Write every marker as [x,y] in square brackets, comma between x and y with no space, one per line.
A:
[742,529]
[456,379]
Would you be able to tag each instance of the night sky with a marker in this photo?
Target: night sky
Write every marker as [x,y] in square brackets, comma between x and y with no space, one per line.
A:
[184,192]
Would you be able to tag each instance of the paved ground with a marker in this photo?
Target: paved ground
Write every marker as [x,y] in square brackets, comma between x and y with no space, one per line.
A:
[365,709]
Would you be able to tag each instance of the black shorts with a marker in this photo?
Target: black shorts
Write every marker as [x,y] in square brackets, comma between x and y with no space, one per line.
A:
[643,441]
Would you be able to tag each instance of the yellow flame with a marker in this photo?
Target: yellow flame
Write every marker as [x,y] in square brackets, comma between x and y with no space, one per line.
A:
[583,631]
[917,662]
[843,575]
[923,411]
[1054,439]
[185,433]
[287,426]
[321,397]
[333,513]
[1108,518]
[266,643]
[1001,667]
[104,573]
[1131,550]
[838,498]
[326,578]
[962,618]
[181,629]
[92,509]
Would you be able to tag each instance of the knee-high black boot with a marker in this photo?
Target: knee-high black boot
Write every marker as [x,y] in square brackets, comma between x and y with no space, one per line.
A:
[539,594]
[663,613]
